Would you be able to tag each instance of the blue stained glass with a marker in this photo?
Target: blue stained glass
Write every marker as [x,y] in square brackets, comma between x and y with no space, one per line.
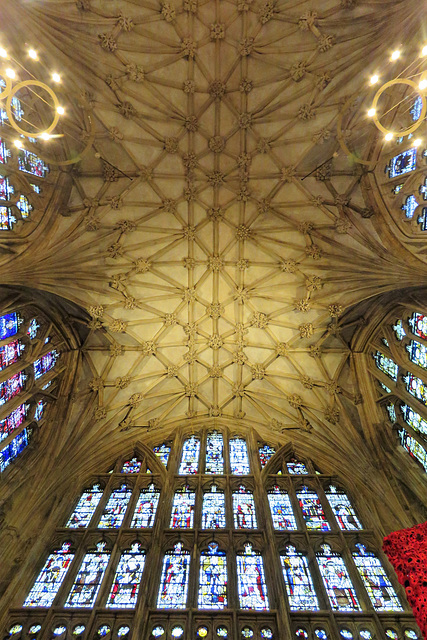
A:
[182,516]
[244,509]
[422,219]
[414,419]
[281,510]
[416,387]
[13,421]
[146,507]
[29,162]
[11,387]
[338,585]
[410,205]
[417,353]
[214,453]
[239,461]
[312,509]
[343,509]
[299,583]
[399,330]
[365,634]
[163,452]
[125,587]
[391,413]
[174,581]
[14,448]
[265,453]
[9,353]
[346,634]
[190,456]
[296,468]
[115,509]
[375,579]
[413,447]
[416,108]
[320,634]
[85,508]
[418,324]
[50,578]
[386,365]
[403,163]
[213,509]
[251,580]
[33,328]
[45,363]
[131,466]
[213,579]
[88,580]
[9,324]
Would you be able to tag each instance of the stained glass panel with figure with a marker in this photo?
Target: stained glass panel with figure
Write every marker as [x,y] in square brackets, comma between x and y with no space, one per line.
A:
[115,509]
[244,509]
[89,577]
[213,578]
[343,509]
[9,324]
[214,453]
[11,387]
[251,580]
[29,162]
[4,152]
[239,460]
[376,581]
[50,578]
[182,516]
[190,456]
[85,508]
[386,365]
[162,452]
[265,453]
[296,468]
[6,189]
[416,387]
[403,162]
[336,579]
[45,363]
[174,580]
[413,447]
[299,583]
[33,328]
[15,447]
[399,330]
[414,419]
[131,466]
[312,509]
[213,509]
[146,507]
[281,510]
[418,324]
[125,587]
[417,353]
[10,353]
[7,219]
[13,420]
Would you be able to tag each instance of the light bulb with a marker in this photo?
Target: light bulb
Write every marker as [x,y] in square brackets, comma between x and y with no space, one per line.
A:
[56,77]
[417,142]
[371,113]
[60,110]
[45,136]
[33,54]
[374,79]
[395,55]
[3,53]
[10,73]
[17,143]
[388,137]
[424,51]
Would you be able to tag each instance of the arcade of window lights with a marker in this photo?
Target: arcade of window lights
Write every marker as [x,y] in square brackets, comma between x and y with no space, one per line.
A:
[213,535]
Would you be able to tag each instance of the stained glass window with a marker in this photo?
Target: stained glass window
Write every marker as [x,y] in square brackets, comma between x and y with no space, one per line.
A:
[9,353]
[403,163]
[213,578]
[182,516]
[174,581]
[338,585]
[4,152]
[38,414]
[244,509]
[299,584]
[411,203]
[413,447]
[45,363]
[24,206]
[265,453]
[163,452]
[417,353]
[131,466]
[146,507]
[89,577]
[9,324]
[190,456]
[13,421]
[214,453]
[375,579]
[296,468]
[50,578]
[30,163]
[14,448]
[11,387]
[416,108]
[7,219]
[281,510]
[416,387]
[124,591]
[391,413]
[6,189]
[387,365]
[213,509]
[343,509]
[399,330]
[251,580]
[33,327]
[414,419]
[115,509]
[85,508]
[239,461]
[312,509]
[418,324]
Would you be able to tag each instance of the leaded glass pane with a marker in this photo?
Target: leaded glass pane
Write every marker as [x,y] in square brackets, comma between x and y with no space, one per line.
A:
[281,510]
[85,508]
[13,421]
[338,585]
[10,353]
[213,509]
[299,584]
[414,419]
[403,163]
[418,324]
[30,163]
[399,330]
[375,579]
[124,591]
[296,468]
[244,509]
[391,413]
[11,387]
[312,509]
[251,580]
[417,353]
[115,509]
[89,577]
[162,452]
[9,324]
[213,579]
[50,578]
[45,363]
[182,516]
[33,328]
[174,581]
[146,507]
[386,365]
[239,461]
[214,453]
[14,448]
[416,387]
[343,509]
[190,456]
[131,466]
[265,453]
[413,447]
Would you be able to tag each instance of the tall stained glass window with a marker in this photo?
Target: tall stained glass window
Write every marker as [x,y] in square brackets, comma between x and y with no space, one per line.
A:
[174,581]
[213,509]
[85,508]
[115,509]
[376,581]
[13,420]
[418,324]
[124,591]
[14,448]
[239,460]
[416,387]
[403,163]
[418,353]
[244,509]
[146,507]
[296,468]
[213,578]
[11,387]
[299,583]
[10,353]
[50,578]
[131,466]
[265,453]
[399,330]
[312,509]
[343,509]
[414,419]
[336,579]
[190,456]
[30,163]
[214,453]
[251,580]
[162,452]
[89,577]
[9,325]
[281,509]
[182,516]
[45,363]
[386,365]
[413,447]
